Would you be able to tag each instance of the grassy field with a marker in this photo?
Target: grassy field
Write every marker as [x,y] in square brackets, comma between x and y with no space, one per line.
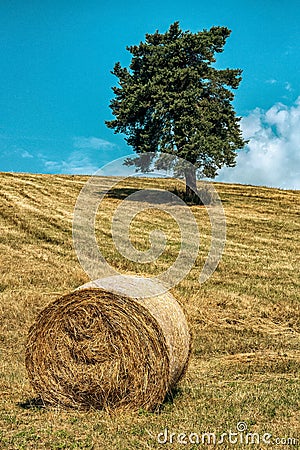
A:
[245,363]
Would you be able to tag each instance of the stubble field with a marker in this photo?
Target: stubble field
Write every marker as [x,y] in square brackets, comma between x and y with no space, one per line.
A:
[245,319]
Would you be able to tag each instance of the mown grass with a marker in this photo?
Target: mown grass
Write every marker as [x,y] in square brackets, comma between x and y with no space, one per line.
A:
[245,319]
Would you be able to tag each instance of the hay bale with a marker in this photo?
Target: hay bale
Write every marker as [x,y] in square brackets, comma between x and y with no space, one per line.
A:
[102,347]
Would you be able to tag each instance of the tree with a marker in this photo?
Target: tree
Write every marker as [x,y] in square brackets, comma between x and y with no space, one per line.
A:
[172,100]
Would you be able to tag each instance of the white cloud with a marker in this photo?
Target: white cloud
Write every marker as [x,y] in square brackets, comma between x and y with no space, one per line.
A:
[288,86]
[272,81]
[77,163]
[26,154]
[272,157]
[82,160]
[91,142]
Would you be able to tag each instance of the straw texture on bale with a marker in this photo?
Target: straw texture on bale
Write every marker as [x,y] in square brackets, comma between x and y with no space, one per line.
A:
[103,347]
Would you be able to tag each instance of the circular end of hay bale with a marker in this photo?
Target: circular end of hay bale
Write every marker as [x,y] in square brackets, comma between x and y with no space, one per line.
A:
[99,347]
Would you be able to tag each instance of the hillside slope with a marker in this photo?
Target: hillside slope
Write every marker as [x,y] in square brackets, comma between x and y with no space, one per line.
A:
[245,319]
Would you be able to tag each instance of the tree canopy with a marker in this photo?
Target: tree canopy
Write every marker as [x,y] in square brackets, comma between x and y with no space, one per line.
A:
[173,100]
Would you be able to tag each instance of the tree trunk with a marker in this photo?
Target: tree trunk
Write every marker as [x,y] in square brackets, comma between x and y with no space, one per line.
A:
[191,185]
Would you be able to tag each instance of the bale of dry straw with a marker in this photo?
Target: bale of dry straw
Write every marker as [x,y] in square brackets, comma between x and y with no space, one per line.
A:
[103,347]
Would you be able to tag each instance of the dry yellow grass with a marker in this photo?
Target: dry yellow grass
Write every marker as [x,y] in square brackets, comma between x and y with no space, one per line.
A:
[245,319]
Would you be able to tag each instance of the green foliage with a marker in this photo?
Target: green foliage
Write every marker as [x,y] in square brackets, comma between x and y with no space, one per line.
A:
[172,100]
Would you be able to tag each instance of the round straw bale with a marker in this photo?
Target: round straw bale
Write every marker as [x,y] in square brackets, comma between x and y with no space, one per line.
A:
[103,347]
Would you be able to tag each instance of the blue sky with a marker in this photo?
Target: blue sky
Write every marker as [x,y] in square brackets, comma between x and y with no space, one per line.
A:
[55,81]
